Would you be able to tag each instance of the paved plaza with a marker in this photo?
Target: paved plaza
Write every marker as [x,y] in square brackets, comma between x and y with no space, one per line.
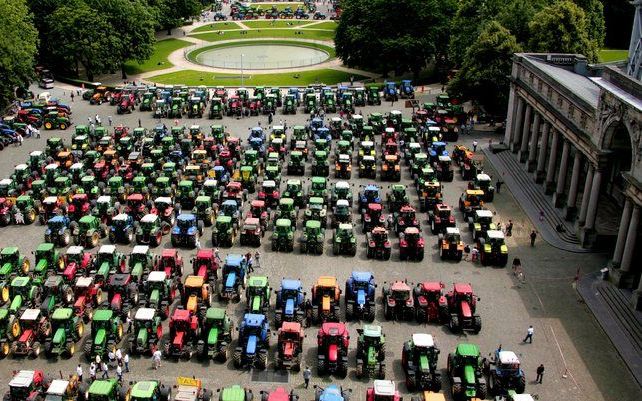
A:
[581,364]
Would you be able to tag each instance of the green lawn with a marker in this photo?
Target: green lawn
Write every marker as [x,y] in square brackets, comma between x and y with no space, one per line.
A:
[329,49]
[275,23]
[323,25]
[610,55]
[158,60]
[194,78]
[271,33]
[217,26]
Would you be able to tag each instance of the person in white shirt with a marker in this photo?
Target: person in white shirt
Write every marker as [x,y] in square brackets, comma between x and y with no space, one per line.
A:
[529,335]
[126,360]
[79,372]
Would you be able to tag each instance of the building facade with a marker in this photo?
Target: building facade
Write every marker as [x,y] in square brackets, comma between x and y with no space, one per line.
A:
[577,128]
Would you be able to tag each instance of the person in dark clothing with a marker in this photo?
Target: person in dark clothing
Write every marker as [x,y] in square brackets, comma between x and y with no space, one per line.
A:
[498,186]
[533,237]
[509,228]
[540,373]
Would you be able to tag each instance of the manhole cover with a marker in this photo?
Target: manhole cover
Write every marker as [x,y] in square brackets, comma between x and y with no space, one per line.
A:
[270,376]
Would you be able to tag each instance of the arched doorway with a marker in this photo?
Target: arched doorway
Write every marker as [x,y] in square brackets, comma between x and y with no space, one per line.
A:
[618,142]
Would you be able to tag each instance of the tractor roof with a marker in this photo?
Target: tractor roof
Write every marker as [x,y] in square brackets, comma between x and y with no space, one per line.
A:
[119,217]
[103,314]
[343,202]
[411,230]
[258,203]
[371,187]
[483,177]
[484,213]
[362,276]
[467,349]
[104,199]
[181,315]
[205,253]
[269,184]
[290,284]
[74,250]
[384,388]
[145,314]
[432,286]
[186,217]
[50,200]
[210,182]
[144,389]
[283,223]
[452,230]
[375,207]
[62,314]
[30,314]
[233,393]
[327,281]
[477,192]
[45,247]
[84,282]
[508,358]
[345,226]
[495,234]
[291,327]
[313,224]
[293,181]
[20,281]
[215,313]
[344,158]
[140,249]
[135,197]
[399,286]
[36,153]
[258,281]
[370,330]
[23,166]
[463,288]
[58,387]
[230,202]
[149,218]
[423,340]
[107,249]
[157,276]
[194,281]
[233,259]
[102,387]
[522,397]
[315,200]
[23,378]
[333,329]
[163,199]
[223,219]
[444,158]
[253,319]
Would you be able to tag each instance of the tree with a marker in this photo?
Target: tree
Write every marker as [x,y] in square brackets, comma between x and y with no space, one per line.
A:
[18,47]
[618,19]
[484,74]
[172,13]
[392,35]
[134,29]
[466,24]
[515,16]
[562,28]
[595,26]
[79,35]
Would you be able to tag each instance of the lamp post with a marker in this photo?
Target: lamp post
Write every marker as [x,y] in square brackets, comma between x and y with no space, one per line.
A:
[242,82]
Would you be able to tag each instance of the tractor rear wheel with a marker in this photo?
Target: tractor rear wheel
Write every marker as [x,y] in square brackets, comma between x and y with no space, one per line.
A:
[457,391]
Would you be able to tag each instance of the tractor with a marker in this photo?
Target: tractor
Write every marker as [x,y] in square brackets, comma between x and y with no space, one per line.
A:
[360,300]
[480,223]
[373,217]
[406,90]
[234,276]
[88,295]
[196,296]
[504,373]
[320,166]
[342,213]
[390,168]
[419,361]
[66,330]
[462,303]
[27,385]
[108,390]
[344,241]
[316,211]
[483,182]
[341,190]
[147,330]
[290,300]
[283,236]
[470,201]
[371,352]
[77,263]
[150,230]
[296,165]
[253,342]
[251,232]
[465,370]
[397,197]
[88,231]
[48,261]
[370,194]
[440,218]
[216,335]
[406,218]
[385,390]
[269,193]
[429,195]
[343,167]
[21,293]
[290,346]
[106,332]
[12,264]
[450,244]
[318,189]
[368,167]
[65,390]
[223,232]
[25,205]
[257,295]
[29,332]
[398,303]
[411,245]
[443,169]
[333,340]
[54,293]
[123,294]
[313,238]
[379,246]
[150,390]
[183,335]
[187,230]
[493,249]
[206,265]
[431,304]
[294,191]
[159,292]
[326,296]
[122,229]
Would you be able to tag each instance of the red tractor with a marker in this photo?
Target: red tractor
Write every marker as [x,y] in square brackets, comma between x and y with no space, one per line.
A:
[101,171]
[27,385]
[373,217]
[77,263]
[333,340]
[206,266]
[136,206]
[171,262]
[183,334]
[398,303]
[440,217]
[121,131]
[279,394]
[123,294]
[259,211]
[50,206]
[78,207]
[88,295]
[127,104]
[234,106]
[411,245]
[269,193]
[406,217]
[462,303]
[226,160]
[430,302]
[379,245]
[234,191]
[290,346]
[383,390]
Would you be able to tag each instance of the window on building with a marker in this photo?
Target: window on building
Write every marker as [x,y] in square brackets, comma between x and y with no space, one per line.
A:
[549,92]
[571,111]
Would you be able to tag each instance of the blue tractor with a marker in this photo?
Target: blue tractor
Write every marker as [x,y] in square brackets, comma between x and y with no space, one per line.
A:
[333,392]
[221,175]
[186,231]
[370,194]
[290,303]
[295,92]
[122,229]
[258,144]
[323,133]
[234,275]
[360,296]
[504,373]
[407,90]
[314,125]
[254,342]
[58,232]
[390,91]
[437,149]
[257,132]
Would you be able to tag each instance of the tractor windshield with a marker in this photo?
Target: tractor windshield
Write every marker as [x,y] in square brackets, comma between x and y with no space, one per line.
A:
[289,294]
[444,213]
[185,223]
[19,393]
[401,295]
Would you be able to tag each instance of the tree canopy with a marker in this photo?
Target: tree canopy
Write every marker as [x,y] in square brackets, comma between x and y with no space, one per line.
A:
[18,46]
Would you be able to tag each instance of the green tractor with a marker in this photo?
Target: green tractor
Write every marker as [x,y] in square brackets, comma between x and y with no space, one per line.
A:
[318,188]
[311,103]
[107,390]
[22,293]
[88,231]
[54,293]
[224,232]
[296,165]
[419,362]
[140,263]
[316,211]
[26,206]
[344,241]
[66,330]
[150,390]
[248,178]
[195,108]
[53,120]
[294,191]
[48,260]
[150,230]
[320,166]
[216,335]
[106,332]
[147,102]
[283,236]
[12,264]
[289,104]
[371,352]
[176,108]
[257,295]
[204,211]
[313,238]
[286,210]
[148,331]
[465,369]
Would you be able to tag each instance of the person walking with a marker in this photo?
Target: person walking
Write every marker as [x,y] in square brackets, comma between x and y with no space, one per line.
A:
[257,259]
[126,361]
[540,373]
[139,123]
[79,372]
[98,362]
[533,237]
[250,268]
[509,228]
[112,358]
[498,186]
[18,217]
[92,372]
[307,374]
[217,255]
[109,120]
[105,370]
[475,145]
[529,335]
[157,358]
[119,356]
[130,324]
[119,373]
[72,96]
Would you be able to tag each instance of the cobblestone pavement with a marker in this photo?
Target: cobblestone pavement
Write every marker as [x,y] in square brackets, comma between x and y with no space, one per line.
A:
[580,362]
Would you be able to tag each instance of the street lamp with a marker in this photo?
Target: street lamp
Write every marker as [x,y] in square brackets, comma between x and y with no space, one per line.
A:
[242,82]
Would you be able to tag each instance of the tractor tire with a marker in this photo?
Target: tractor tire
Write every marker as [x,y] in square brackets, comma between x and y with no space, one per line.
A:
[477,324]
[48,349]
[457,391]
[35,350]
[482,390]
[165,393]
[359,370]
[521,385]
[453,325]
[262,362]
[70,349]
[236,358]
[321,366]
[411,383]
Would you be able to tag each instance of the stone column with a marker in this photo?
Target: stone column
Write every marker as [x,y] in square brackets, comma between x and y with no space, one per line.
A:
[558,196]
[591,213]
[526,132]
[621,234]
[532,153]
[552,161]
[631,239]
[518,126]
[575,181]
[541,155]
[511,113]
[588,182]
